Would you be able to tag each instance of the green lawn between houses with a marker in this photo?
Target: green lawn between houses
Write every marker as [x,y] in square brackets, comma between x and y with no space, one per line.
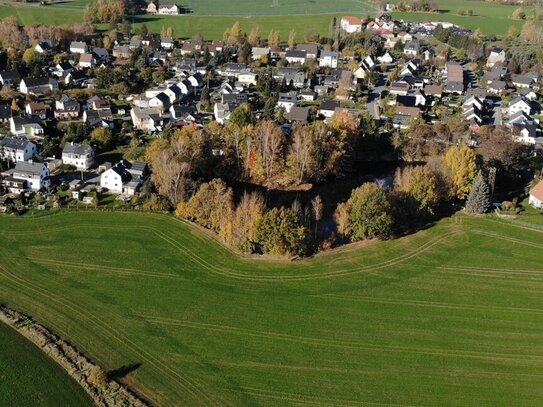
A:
[30,378]
[452,315]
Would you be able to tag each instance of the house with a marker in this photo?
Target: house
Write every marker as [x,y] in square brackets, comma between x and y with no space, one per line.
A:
[311,50]
[520,118]
[169,8]
[167,43]
[287,100]
[248,78]
[77,47]
[405,37]
[5,113]
[222,112]
[37,86]
[152,8]
[27,175]
[536,196]
[28,126]
[67,108]
[497,56]
[146,119]
[327,108]
[298,114]
[519,104]
[473,101]
[412,48]
[399,88]
[76,78]
[522,81]
[80,156]
[87,60]
[455,78]
[98,118]
[434,90]
[307,94]
[11,78]
[37,109]
[63,68]
[385,59]
[160,102]
[351,24]
[291,76]
[295,56]
[43,47]
[121,52]
[525,133]
[329,59]
[497,87]
[215,47]
[17,149]
[124,177]
[259,53]
[186,113]
[364,67]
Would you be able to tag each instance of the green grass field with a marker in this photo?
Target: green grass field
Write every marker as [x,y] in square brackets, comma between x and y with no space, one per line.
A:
[452,315]
[30,378]
[489,17]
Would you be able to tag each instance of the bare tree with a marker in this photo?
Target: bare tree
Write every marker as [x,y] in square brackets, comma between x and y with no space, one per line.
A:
[300,152]
[318,208]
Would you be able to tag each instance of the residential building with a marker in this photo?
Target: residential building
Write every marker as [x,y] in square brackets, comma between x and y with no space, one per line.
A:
[17,149]
[27,175]
[80,156]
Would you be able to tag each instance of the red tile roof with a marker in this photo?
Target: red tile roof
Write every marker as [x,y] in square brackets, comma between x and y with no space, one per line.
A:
[537,191]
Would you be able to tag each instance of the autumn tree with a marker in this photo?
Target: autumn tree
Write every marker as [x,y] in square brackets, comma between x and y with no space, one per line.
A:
[269,142]
[461,168]
[241,116]
[292,39]
[519,13]
[274,39]
[478,201]
[97,377]
[366,214]
[279,231]
[102,136]
[30,56]
[254,37]
[232,35]
[240,230]
[105,11]
[300,153]
[496,147]
[420,184]
[211,206]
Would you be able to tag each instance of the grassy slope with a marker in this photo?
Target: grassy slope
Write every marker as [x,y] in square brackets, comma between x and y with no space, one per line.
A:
[29,378]
[449,316]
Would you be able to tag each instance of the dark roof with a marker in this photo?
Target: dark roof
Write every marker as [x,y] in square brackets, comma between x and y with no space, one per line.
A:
[77,148]
[298,113]
[14,143]
[293,53]
[329,105]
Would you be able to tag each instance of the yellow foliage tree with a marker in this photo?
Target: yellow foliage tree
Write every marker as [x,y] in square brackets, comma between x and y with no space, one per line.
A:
[461,169]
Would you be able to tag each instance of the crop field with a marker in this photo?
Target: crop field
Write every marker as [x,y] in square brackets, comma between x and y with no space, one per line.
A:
[29,378]
[452,315]
[490,18]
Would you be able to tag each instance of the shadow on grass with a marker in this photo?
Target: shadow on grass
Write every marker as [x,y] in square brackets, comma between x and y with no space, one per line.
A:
[123,371]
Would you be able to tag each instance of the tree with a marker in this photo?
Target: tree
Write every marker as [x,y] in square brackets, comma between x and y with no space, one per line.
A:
[233,35]
[317,207]
[519,13]
[279,231]
[496,147]
[478,201]
[420,184]
[103,136]
[300,152]
[461,168]
[274,39]
[531,32]
[254,37]
[240,231]
[269,141]
[368,211]
[211,206]
[30,56]
[292,39]
[97,376]
[513,32]
[241,116]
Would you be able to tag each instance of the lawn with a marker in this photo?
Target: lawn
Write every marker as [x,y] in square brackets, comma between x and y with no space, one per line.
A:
[491,18]
[30,378]
[452,315]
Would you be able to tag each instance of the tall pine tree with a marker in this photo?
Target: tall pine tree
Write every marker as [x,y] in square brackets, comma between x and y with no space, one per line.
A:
[478,201]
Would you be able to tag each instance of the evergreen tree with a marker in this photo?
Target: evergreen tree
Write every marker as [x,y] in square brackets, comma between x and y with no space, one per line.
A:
[478,201]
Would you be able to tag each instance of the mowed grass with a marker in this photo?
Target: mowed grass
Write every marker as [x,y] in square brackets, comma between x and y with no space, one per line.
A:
[30,378]
[210,18]
[257,7]
[490,18]
[452,315]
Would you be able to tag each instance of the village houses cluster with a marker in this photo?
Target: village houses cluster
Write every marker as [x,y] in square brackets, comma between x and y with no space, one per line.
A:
[407,77]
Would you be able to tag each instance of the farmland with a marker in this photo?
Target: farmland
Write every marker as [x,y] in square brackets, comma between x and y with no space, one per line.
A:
[449,316]
[29,377]
[490,18]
